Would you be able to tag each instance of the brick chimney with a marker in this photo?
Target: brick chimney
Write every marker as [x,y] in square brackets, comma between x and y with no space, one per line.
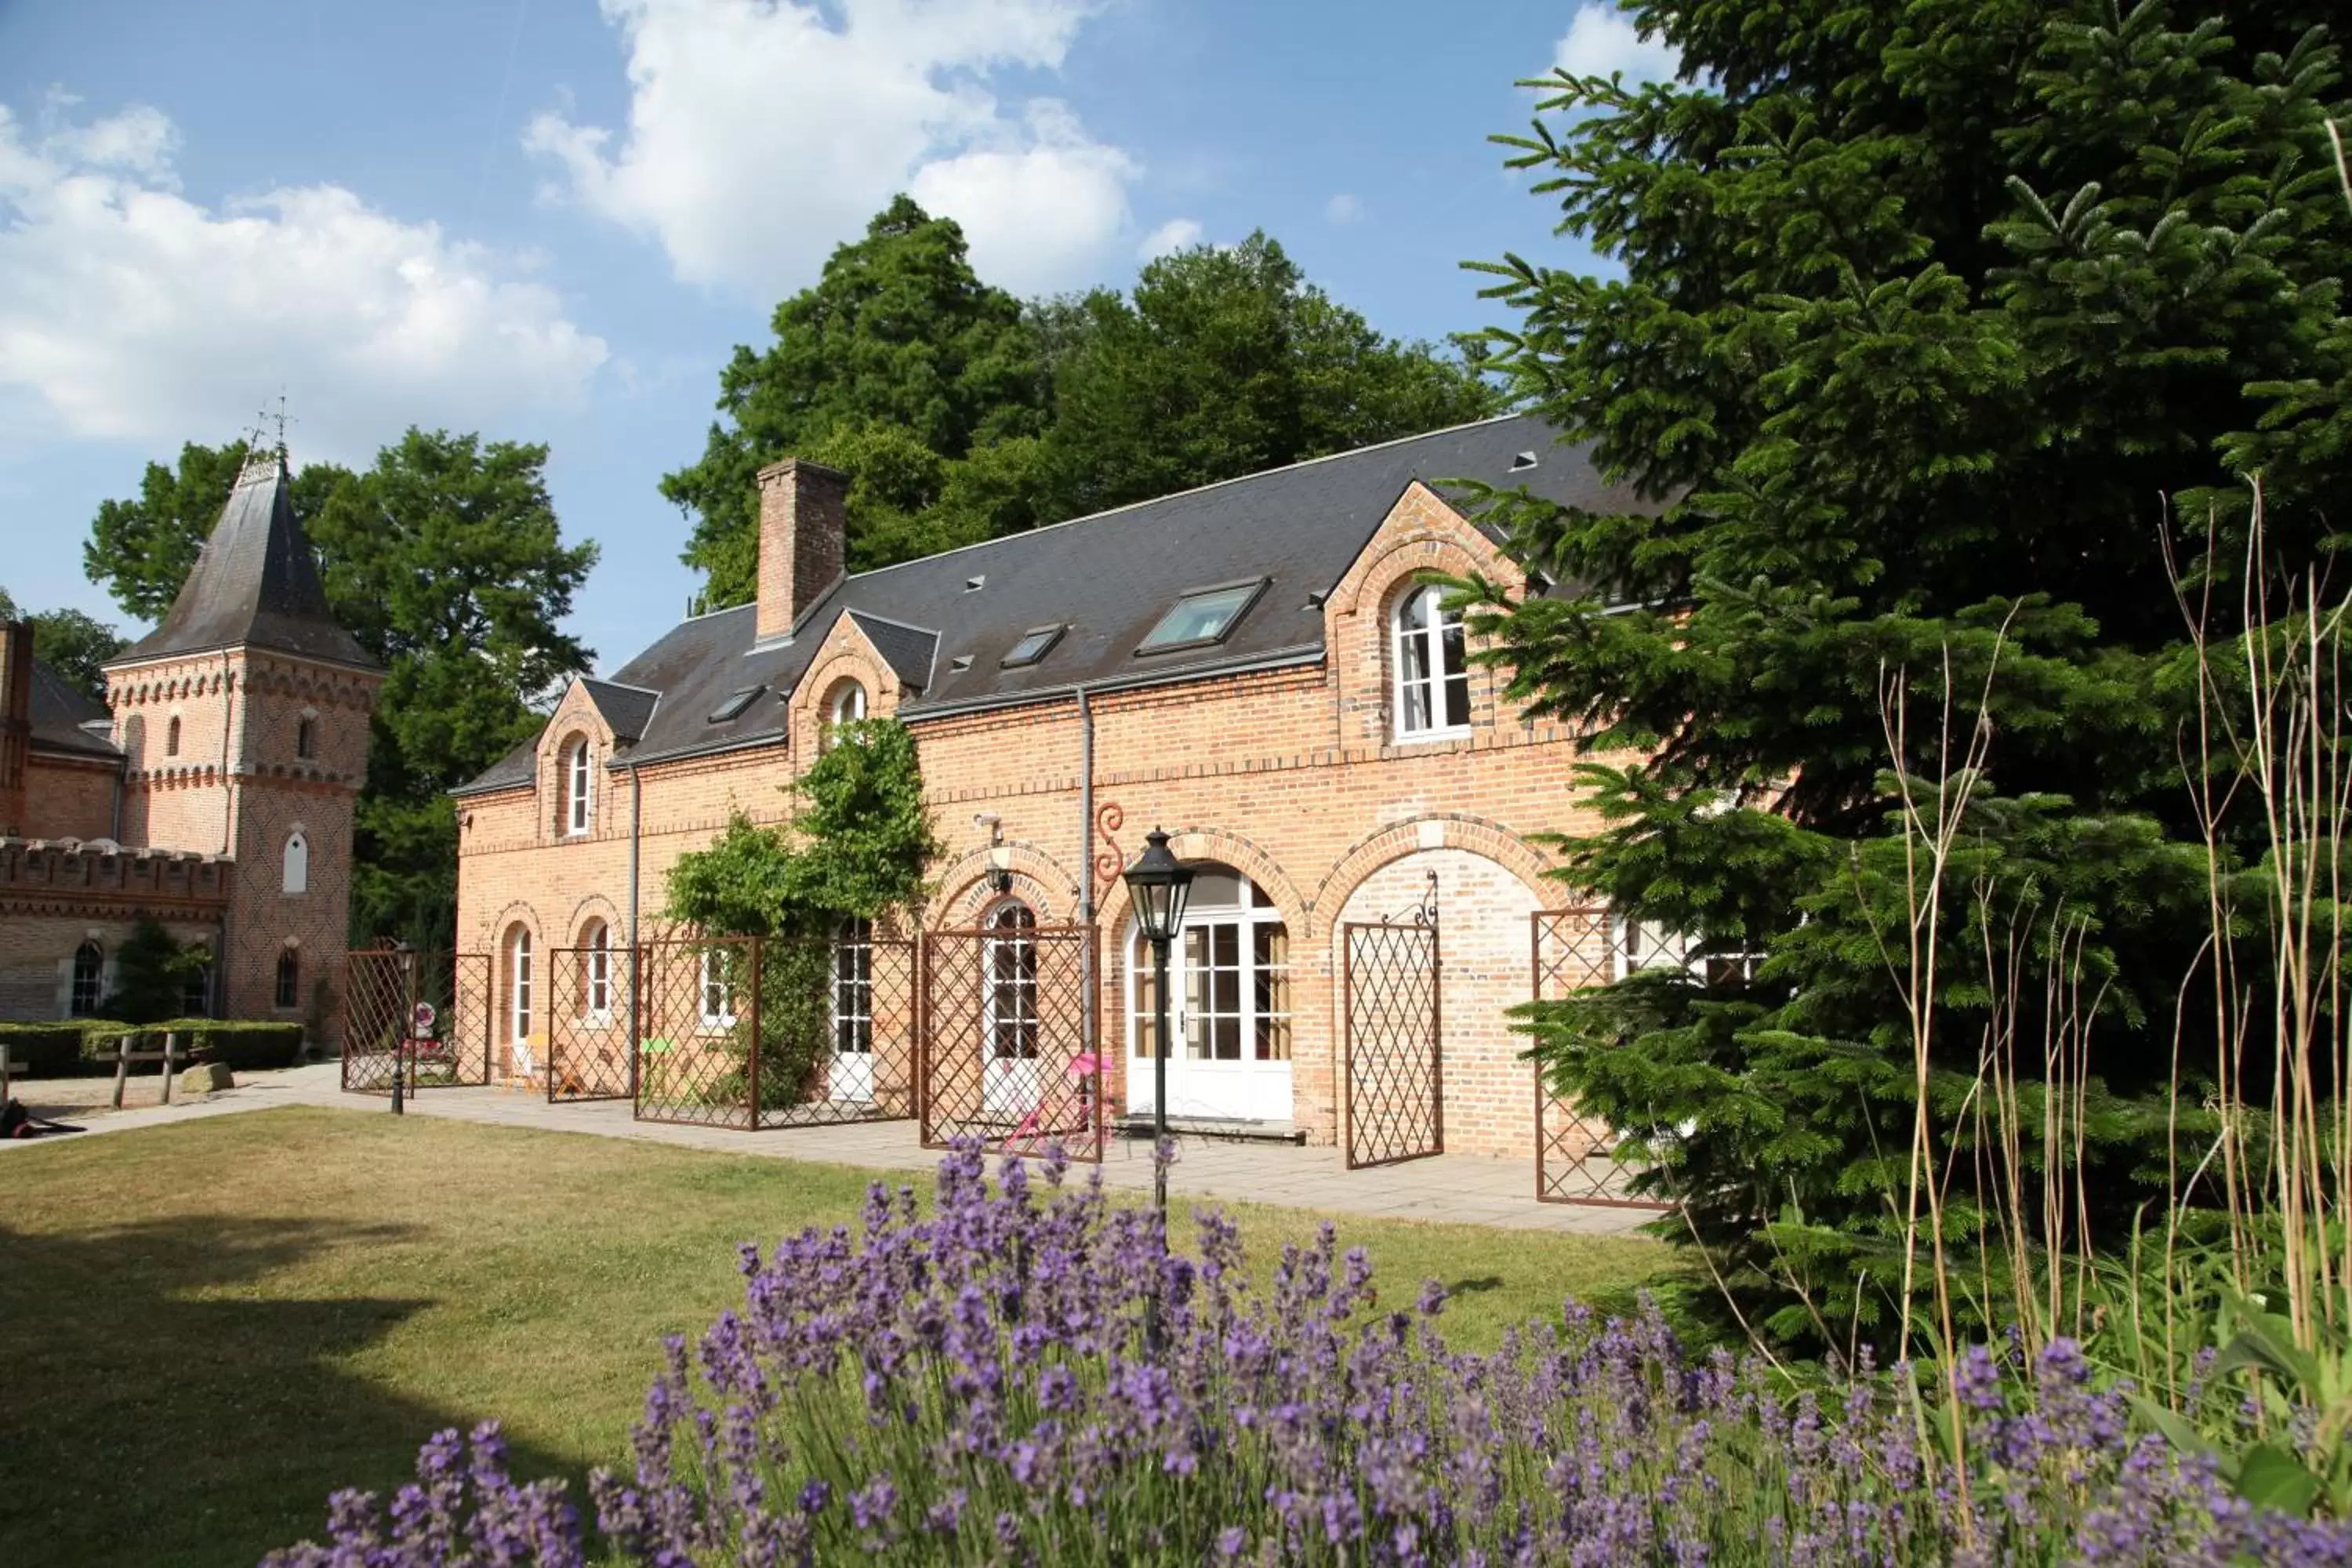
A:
[803,539]
[15,724]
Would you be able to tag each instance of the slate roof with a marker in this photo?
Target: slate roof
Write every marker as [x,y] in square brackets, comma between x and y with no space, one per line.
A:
[61,709]
[256,583]
[626,709]
[1109,578]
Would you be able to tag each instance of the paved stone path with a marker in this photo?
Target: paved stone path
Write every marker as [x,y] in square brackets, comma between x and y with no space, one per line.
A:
[1462,1189]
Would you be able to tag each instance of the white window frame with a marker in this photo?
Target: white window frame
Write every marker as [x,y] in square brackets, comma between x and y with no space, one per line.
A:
[580,789]
[1254,915]
[710,983]
[1431,687]
[519,998]
[852,988]
[1010,973]
[295,875]
[848,705]
[599,964]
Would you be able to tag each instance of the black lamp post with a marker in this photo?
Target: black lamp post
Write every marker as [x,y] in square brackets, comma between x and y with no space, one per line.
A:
[1159,883]
[400,1038]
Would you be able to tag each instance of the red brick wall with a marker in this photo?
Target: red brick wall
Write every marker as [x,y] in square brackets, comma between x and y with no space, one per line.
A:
[1292,775]
[69,799]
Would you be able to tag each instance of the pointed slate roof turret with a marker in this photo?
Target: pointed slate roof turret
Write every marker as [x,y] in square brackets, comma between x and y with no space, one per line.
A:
[255,584]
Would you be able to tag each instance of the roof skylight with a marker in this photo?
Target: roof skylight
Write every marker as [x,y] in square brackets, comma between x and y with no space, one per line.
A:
[1031,646]
[735,703]
[1202,615]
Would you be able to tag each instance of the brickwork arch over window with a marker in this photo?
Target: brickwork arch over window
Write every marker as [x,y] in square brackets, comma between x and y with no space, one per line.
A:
[1431,664]
[289,979]
[297,879]
[88,980]
[579,785]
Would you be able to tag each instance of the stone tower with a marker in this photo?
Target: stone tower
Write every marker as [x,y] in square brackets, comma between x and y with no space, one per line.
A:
[244,722]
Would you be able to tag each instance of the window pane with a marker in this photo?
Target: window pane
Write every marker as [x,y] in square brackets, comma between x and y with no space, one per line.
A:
[1197,617]
[1272,983]
[1146,1018]
[1457,701]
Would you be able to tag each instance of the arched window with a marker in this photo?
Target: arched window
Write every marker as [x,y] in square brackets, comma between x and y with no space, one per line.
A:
[297,863]
[1229,976]
[305,737]
[88,980]
[848,705]
[1012,982]
[1433,673]
[719,987]
[172,737]
[596,969]
[519,985]
[134,740]
[289,979]
[579,786]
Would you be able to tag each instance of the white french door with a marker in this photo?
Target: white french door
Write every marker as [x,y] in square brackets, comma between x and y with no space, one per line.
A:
[1229,1009]
[852,1078]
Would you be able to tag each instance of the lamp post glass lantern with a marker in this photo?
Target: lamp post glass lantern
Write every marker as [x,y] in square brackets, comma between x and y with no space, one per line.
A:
[1159,883]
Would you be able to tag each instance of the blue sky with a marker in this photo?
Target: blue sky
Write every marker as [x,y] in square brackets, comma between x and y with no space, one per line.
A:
[551,220]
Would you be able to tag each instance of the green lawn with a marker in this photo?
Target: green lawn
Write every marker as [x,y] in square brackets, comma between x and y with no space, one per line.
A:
[205,1329]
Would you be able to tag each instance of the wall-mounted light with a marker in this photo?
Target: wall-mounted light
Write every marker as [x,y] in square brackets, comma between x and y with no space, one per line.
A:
[1000,868]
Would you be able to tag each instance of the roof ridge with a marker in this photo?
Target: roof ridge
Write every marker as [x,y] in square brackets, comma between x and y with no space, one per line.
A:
[1190,491]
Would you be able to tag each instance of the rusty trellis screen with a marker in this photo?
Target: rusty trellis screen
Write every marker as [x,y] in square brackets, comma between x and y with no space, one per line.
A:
[436,1004]
[752,1033]
[1576,1155]
[1007,1058]
[589,991]
[1389,1023]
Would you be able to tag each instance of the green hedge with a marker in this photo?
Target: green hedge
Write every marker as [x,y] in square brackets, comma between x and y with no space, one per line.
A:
[86,1046]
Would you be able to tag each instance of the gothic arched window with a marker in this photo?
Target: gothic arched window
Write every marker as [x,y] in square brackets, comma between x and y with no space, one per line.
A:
[297,863]
[305,737]
[172,737]
[289,979]
[88,980]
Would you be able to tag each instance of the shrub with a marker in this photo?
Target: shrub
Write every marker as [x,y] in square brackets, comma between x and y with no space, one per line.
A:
[245,1047]
[1018,1381]
[48,1050]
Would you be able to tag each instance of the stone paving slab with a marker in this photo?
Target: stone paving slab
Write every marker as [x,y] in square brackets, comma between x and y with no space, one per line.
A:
[1461,1189]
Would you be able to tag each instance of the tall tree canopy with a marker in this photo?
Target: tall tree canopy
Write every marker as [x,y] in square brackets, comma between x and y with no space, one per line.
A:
[77,646]
[1938,321]
[960,414]
[897,360]
[446,560]
[1226,361]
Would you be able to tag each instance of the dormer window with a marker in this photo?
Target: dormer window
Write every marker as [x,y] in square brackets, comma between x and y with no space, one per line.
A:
[848,705]
[1432,675]
[1203,616]
[1032,645]
[579,787]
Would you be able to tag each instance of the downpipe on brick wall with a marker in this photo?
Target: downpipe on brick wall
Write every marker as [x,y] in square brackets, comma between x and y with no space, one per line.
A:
[636,819]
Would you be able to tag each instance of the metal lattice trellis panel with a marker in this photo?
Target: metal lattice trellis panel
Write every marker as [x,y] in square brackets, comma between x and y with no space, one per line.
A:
[1390,1022]
[1006,1055]
[429,1011]
[1576,1155]
[698,1030]
[837,1029]
[590,992]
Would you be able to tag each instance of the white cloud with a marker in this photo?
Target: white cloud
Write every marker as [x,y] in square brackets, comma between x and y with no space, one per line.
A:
[1176,234]
[127,311]
[1343,209]
[762,133]
[1601,40]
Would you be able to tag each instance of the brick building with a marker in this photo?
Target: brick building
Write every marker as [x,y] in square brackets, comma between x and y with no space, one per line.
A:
[212,791]
[1262,666]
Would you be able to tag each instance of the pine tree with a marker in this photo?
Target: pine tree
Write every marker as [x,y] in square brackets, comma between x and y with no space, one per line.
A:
[1939,324]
